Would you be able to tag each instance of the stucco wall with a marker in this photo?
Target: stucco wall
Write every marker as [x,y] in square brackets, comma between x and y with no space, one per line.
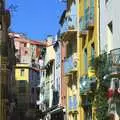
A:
[109,12]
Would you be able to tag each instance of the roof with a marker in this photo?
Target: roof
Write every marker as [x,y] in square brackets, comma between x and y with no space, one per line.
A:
[21,38]
[35,42]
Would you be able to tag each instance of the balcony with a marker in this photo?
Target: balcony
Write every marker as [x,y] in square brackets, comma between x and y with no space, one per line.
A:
[69,26]
[70,64]
[114,60]
[87,21]
[83,30]
[87,84]
[89,17]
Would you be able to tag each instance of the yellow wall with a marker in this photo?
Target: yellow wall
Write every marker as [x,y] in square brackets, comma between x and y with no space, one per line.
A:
[85,42]
[92,36]
[24,97]
[18,70]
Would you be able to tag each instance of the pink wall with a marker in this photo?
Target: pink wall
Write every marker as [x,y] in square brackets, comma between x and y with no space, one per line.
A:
[63,82]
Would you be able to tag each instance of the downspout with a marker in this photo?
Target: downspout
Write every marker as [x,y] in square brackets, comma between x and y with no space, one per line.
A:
[78,56]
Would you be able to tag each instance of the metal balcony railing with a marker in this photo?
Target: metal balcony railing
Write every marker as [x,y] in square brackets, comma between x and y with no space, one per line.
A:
[114,61]
[70,23]
[87,20]
[82,24]
[115,57]
[87,84]
[70,63]
[89,16]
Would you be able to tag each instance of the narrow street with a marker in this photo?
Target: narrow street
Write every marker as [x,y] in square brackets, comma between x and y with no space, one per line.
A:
[59,60]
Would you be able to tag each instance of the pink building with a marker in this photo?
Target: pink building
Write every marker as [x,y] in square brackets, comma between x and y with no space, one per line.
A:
[63,82]
[26,50]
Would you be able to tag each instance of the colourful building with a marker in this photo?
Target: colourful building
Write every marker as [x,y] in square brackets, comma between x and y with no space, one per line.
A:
[27,71]
[89,49]
[110,44]
[22,87]
[69,32]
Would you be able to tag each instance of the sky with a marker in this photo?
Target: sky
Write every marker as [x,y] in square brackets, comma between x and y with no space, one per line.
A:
[36,18]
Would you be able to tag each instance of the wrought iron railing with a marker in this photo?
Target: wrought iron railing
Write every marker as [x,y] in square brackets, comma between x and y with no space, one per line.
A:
[89,16]
[70,63]
[114,60]
[115,57]
[92,13]
[87,84]
[82,24]
[70,23]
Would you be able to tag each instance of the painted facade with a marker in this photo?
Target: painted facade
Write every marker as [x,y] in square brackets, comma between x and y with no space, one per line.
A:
[109,42]
[109,28]
[89,50]
[22,87]
[71,62]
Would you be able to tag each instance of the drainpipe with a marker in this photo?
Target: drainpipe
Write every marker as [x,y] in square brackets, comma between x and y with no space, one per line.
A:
[78,56]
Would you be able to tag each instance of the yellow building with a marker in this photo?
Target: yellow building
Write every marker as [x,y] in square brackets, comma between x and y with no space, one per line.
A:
[89,49]
[22,86]
[70,37]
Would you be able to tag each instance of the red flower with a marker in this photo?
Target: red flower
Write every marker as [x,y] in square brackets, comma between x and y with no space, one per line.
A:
[110,93]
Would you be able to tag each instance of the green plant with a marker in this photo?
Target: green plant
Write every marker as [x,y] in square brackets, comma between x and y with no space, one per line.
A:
[101,68]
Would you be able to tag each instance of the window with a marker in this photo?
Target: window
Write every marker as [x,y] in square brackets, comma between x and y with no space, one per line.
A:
[110,26]
[92,50]
[22,72]
[25,44]
[109,35]
[85,60]
[32,90]
[106,1]
[92,53]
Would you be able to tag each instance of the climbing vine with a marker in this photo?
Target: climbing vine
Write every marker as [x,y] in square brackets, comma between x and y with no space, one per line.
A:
[101,67]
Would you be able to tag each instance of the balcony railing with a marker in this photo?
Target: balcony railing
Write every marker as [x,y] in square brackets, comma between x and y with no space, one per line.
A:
[87,21]
[89,17]
[82,29]
[87,84]
[115,56]
[114,60]
[70,24]
[70,64]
